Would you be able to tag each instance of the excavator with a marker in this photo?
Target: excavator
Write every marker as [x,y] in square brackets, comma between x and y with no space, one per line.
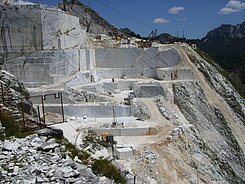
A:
[108,138]
[108,141]
[152,35]
[148,42]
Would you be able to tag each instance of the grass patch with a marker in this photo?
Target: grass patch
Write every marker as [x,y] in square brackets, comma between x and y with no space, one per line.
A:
[205,56]
[12,127]
[73,151]
[106,168]
[91,139]
[102,167]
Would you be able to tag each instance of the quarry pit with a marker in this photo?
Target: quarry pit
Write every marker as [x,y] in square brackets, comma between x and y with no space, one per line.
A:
[160,102]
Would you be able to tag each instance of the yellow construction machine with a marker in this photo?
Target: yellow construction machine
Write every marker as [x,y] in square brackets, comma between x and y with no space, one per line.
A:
[108,141]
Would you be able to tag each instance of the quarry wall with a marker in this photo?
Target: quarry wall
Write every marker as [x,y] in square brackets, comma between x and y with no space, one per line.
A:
[35,27]
[174,73]
[47,67]
[42,45]
[21,29]
[61,31]
[136,58]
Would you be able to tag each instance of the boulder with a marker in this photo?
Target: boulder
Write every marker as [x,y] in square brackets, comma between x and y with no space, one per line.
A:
[10,146]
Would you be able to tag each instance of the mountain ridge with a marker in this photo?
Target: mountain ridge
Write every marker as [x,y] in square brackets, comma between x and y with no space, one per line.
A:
[226,45]
[226,31]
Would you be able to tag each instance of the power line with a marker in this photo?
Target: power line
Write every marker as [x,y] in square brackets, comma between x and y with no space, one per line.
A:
[128,17]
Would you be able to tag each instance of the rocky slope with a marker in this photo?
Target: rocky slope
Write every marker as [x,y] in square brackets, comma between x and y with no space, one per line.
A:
[211,148]
[217,138]
[14,101]
[38,160]
[90,20]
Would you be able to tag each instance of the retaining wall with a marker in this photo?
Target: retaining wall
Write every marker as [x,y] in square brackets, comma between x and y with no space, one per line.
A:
[93,111]
[128,131]
[174,74]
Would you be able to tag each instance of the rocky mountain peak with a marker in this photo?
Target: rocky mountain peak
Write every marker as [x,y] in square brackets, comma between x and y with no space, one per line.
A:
[226,31]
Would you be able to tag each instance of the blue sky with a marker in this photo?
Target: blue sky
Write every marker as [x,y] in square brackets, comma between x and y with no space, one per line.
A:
[194,17]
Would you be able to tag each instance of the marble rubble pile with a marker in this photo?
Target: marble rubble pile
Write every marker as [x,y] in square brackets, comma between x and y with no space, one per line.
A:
[38,160]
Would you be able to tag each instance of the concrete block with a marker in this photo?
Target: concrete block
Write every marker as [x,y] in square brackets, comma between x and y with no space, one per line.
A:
[125,85]
[124,153]
[148,90]
[140,131]
[174,74]
[110,87]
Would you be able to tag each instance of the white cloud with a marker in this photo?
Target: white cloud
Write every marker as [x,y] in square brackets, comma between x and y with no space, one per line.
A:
[22,2]
[161,21]
[176,10]
[232,6]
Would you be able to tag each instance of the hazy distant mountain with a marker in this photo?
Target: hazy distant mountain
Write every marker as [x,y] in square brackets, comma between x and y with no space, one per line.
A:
[166,38]
[128,32]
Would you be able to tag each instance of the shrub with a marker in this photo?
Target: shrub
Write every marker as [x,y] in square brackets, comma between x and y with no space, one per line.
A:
[106,168]
[12,127]
[82,155]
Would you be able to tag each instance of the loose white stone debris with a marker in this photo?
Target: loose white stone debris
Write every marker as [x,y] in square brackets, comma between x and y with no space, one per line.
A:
[35,160]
